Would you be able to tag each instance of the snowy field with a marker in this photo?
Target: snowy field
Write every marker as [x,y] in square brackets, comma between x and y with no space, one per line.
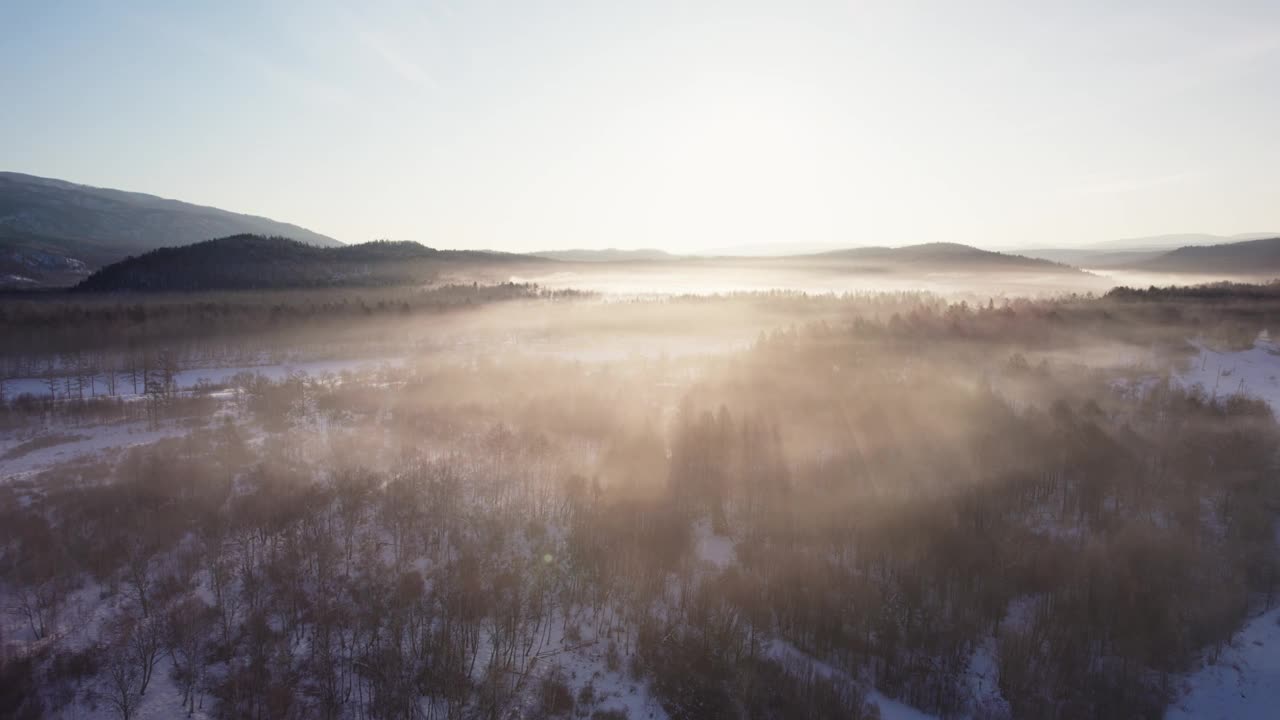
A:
[1243,683]
[83,442]
[87,442]
[193,377]
[1254,372]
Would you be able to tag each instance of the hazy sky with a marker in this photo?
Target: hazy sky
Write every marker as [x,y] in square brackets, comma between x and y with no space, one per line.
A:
[683,125]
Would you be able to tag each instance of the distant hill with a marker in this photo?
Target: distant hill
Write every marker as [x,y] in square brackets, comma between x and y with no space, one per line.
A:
[1172,242]
[1088,258]
[30,261]
[255,262]
[606,255]
[55,232]
[938,256]
[932,257]
[1134,252]
[1252,257]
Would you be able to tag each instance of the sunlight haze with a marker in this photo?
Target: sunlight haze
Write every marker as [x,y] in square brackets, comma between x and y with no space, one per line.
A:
[595,360]
[689,127]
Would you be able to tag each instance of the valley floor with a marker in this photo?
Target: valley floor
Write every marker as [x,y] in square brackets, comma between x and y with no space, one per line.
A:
[1242,681]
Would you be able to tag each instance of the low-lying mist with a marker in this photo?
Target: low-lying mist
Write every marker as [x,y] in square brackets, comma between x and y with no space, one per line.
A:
[517,501]
[709,278]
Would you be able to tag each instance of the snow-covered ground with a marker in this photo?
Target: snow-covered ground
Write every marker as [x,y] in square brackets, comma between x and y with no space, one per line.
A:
[89,441]
[983,682]
[716,550]
[190,378]
[789,655]
[891,709]
[1254,372]
[85,441]
[163,700]
[587,663]
[1245,682]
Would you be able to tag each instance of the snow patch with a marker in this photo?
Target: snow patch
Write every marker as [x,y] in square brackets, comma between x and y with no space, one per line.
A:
[982,678]
[1245,682]
[192,377]
[890,709]
[1254,372]
[717,550]
[95,439]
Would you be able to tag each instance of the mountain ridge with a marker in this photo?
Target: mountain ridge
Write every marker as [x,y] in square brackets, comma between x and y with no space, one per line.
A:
[941,255]
[53,232]
[1248,257]
[1173,241]
[256,262]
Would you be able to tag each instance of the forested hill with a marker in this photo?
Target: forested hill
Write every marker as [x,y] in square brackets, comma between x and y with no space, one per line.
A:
[54,232]
[1251,257]
[923,257]
[245,262]
[937,256]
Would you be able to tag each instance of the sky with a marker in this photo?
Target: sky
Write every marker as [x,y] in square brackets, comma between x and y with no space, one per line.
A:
[688,126]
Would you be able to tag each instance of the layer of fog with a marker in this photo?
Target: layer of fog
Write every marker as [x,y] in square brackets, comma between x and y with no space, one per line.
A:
[631,280]
[823,409]
[644,280]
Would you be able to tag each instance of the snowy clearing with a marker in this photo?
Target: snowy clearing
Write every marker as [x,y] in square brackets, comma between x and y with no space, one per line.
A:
[193,377]
[1254,372]
[90,441]
[1245,682]
[716,550]
[890,709]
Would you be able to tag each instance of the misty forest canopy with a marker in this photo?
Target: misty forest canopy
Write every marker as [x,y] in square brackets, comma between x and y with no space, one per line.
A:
[730,361]
[454,501]
[267,477]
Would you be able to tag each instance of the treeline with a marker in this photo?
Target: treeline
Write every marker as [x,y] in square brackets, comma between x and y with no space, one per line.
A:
[34,326]
[1208,291]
